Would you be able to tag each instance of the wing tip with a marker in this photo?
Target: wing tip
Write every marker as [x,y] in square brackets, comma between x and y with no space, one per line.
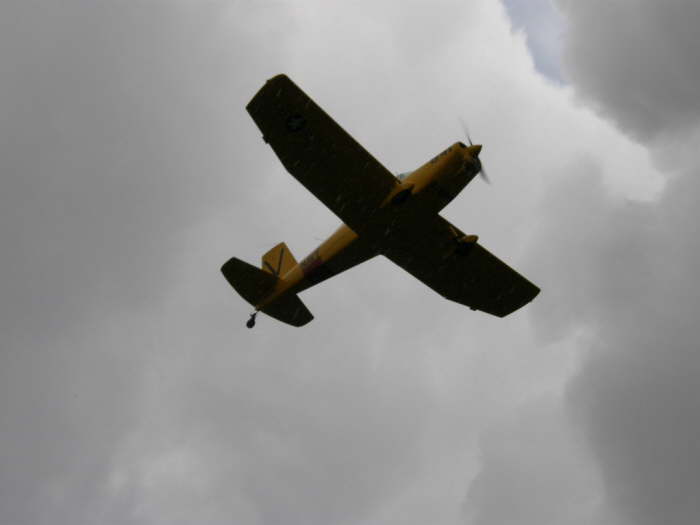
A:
[525,299]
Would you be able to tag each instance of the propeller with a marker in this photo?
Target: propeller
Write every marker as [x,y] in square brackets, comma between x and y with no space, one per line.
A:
[482,171]
[465,130]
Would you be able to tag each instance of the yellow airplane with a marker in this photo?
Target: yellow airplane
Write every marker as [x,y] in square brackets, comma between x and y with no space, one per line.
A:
[394,216]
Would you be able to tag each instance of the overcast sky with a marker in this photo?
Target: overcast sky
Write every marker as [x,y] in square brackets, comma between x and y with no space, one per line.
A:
[131,391]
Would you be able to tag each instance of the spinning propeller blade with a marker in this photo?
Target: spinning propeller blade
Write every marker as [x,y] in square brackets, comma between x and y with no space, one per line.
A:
[482,171]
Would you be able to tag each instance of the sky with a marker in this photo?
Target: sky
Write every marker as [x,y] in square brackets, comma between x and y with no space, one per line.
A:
[544,26]
[131,391]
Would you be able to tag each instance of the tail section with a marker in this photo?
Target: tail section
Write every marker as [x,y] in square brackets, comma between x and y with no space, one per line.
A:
[254,285]
[279,260]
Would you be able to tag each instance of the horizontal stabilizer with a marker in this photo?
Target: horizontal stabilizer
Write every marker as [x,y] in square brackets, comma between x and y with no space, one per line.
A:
[289,309]
[250,282]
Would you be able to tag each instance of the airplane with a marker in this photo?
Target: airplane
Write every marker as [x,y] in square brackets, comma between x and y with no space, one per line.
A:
[394,216]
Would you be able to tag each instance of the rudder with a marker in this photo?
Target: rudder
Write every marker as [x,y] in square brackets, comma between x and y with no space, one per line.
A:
[279,260]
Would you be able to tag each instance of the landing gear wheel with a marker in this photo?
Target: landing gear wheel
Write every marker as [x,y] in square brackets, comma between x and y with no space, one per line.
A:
[250,323]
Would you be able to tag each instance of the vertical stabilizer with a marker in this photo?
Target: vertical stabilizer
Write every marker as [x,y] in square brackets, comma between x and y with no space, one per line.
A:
[279,260]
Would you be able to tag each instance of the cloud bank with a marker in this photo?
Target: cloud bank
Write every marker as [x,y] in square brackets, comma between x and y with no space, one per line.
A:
[132,392]
[625,278]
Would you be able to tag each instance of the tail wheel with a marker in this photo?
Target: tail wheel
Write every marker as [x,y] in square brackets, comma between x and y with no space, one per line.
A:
[250,323]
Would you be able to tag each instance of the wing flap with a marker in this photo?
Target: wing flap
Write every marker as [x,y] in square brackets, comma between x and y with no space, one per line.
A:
[319,153]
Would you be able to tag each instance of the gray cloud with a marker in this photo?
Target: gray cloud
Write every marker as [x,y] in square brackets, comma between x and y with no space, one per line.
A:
[132,393]
[639,411]
[618,277]
[637,62]
[623,284]
[617,273]
[110,139]
[627,279]
[525,482]
[636,398]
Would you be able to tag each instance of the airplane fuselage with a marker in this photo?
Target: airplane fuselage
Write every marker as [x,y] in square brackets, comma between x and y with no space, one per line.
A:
[423,192]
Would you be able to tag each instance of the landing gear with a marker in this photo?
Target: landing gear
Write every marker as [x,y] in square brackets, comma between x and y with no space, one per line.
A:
[250,323]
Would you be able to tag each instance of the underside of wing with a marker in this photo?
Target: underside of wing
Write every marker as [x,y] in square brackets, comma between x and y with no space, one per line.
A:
[319,153]
[466,273]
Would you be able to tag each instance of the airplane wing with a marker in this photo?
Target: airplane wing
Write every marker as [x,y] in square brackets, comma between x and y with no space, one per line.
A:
[319,153]
[478,279]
